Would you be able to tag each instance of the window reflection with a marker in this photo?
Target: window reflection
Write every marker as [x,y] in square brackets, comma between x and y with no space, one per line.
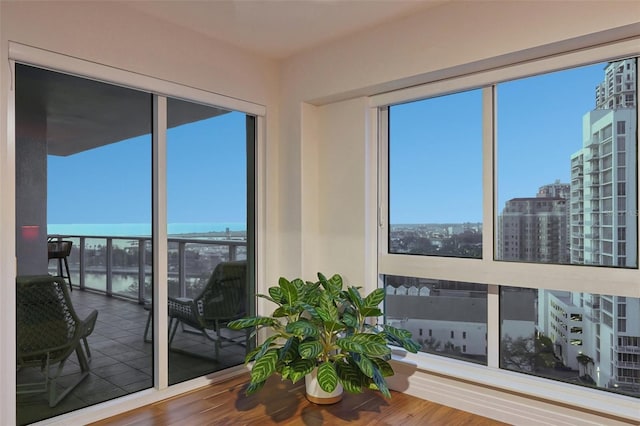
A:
[447,318]
[565,194]
[579,338]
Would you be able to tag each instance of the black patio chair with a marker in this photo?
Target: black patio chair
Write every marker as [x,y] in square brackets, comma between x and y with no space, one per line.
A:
[48,332]
[223,299]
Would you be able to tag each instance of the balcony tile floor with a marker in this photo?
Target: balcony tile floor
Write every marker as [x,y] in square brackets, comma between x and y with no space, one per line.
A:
[122,362]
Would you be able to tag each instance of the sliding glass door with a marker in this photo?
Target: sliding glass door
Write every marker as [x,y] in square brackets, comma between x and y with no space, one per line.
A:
[87,188]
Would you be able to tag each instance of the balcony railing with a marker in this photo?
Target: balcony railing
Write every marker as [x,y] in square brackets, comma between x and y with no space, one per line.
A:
[629,364]
[122,265]
[628,349]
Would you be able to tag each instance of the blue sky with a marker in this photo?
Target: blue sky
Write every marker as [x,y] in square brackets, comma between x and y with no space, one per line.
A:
[435,159]
[206,177]
[435,145]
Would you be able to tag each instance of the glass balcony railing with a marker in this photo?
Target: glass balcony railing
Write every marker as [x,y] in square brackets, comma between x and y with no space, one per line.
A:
[122,266]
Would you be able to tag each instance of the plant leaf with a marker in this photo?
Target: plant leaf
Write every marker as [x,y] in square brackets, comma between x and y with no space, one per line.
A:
[402,338]
[385,368]
[299,285]
[349,319]
[397,332]
[262,349]
[265,366]
[276,294]
[332,285]
[350,377]
[310,308]
[327,377]
[370,345]
[251,355]
[381,384]
[289,291]
[355,297]
[289,351]
[300,368]
[347,344]
[302,329]
[369,338]
[286,310]
[251,322]
[365,365]
[374,298]
[327,310]
[370,312]
[310,349]
[269,298]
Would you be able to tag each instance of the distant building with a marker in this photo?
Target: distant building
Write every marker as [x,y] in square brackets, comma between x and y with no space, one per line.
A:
[534,229]
[452,316]
[555,190]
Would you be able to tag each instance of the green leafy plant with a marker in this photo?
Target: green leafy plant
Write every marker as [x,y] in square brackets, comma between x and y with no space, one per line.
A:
[320,324]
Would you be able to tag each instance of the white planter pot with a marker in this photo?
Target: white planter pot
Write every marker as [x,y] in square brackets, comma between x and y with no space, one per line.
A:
[315,393]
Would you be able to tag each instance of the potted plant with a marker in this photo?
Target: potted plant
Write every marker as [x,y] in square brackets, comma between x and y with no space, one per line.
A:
[320,329]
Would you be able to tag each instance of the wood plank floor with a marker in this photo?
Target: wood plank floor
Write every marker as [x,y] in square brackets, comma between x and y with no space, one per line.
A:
[281,403]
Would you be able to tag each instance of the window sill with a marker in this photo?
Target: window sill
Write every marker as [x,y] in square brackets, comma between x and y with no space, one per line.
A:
[564,396]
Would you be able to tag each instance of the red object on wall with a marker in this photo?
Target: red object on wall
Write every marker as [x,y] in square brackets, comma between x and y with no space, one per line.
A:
[30,232]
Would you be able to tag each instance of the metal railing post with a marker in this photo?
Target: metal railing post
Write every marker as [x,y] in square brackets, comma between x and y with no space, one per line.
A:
[81,260]
[141,269]
[109,288]
[182,269]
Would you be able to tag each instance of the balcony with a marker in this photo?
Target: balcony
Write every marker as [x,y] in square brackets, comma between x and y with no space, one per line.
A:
[629,364]
[628,349]
[121,345]
[115,265]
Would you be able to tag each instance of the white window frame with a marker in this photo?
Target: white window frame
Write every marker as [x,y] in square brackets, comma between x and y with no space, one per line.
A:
[599,280]
[160,90]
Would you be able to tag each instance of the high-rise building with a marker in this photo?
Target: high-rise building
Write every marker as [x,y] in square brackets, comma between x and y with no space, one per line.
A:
[599,335]
[535,229]
[603,173]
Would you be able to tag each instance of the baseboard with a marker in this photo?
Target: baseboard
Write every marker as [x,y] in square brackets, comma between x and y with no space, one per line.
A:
[498,404]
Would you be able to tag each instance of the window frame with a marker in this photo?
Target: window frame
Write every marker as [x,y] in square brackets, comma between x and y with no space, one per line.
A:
[487,270]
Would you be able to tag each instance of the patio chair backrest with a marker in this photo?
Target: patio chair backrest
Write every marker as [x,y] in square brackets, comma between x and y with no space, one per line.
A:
[59,249]
[224,296]
[46,322]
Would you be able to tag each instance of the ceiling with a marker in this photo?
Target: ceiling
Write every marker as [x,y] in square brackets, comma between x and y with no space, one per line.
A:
[279,28]
[81,114]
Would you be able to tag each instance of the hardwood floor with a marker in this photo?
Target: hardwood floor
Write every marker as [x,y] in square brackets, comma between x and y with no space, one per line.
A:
[282,403]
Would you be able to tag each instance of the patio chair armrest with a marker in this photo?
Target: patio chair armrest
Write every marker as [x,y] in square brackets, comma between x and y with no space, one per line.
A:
[184,309]
[89,323]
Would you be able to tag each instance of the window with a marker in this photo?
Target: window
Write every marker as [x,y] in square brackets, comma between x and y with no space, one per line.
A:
[559,186]
[442,219]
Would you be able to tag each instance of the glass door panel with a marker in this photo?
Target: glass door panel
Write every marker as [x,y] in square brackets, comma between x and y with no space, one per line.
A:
[83,207]
[208,189]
